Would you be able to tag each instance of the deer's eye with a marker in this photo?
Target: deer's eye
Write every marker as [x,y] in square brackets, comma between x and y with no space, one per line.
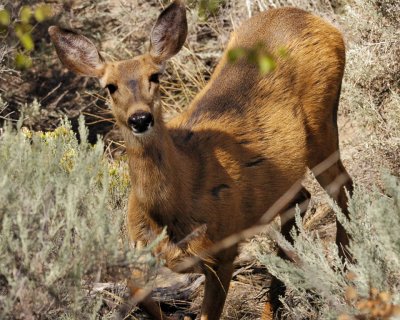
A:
[111,88]
[155,78]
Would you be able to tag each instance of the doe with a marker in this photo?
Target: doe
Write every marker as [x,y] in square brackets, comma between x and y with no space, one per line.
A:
[241,144]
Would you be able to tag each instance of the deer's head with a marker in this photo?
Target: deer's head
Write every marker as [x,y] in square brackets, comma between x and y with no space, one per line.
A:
[133,84]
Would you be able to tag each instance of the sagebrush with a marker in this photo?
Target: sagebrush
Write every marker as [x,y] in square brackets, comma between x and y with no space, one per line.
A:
[62,212]
[321,286]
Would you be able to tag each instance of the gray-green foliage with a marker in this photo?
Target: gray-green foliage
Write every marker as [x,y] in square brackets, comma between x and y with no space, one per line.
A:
[60,224]
[375,229]
[316,288]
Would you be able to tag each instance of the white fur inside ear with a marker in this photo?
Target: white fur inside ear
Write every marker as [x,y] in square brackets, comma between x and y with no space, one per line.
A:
[169,33]
[162,68]
[77,52]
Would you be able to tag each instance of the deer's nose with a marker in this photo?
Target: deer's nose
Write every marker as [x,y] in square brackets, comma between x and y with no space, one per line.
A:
[140,121]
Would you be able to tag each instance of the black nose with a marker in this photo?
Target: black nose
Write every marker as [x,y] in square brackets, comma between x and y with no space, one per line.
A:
[141,121]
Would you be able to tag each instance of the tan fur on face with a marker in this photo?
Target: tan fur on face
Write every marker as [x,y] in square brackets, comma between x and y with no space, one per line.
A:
[134,92]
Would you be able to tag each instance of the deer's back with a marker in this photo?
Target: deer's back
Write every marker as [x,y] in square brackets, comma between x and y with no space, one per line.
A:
[306,80]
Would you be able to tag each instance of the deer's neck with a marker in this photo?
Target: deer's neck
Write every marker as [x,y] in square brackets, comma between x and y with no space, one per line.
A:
[159,174]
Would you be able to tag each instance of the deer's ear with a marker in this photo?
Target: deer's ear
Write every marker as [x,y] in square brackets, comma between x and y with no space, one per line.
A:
[77,52]
[169,33]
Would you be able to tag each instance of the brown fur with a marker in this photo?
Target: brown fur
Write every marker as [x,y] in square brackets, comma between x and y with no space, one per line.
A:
[241,144]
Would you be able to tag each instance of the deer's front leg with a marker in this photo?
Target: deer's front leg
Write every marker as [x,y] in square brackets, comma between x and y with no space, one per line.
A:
[146,302]
[217,282]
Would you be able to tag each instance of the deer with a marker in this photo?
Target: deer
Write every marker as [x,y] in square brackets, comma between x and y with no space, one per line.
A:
[246,138]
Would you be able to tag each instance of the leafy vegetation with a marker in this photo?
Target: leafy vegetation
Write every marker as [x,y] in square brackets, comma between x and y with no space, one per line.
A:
[62,209]
[22,28]
[321,287]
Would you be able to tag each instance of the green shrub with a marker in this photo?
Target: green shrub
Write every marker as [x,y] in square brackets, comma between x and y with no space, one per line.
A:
[62,209]
[319,287]
[21,28]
